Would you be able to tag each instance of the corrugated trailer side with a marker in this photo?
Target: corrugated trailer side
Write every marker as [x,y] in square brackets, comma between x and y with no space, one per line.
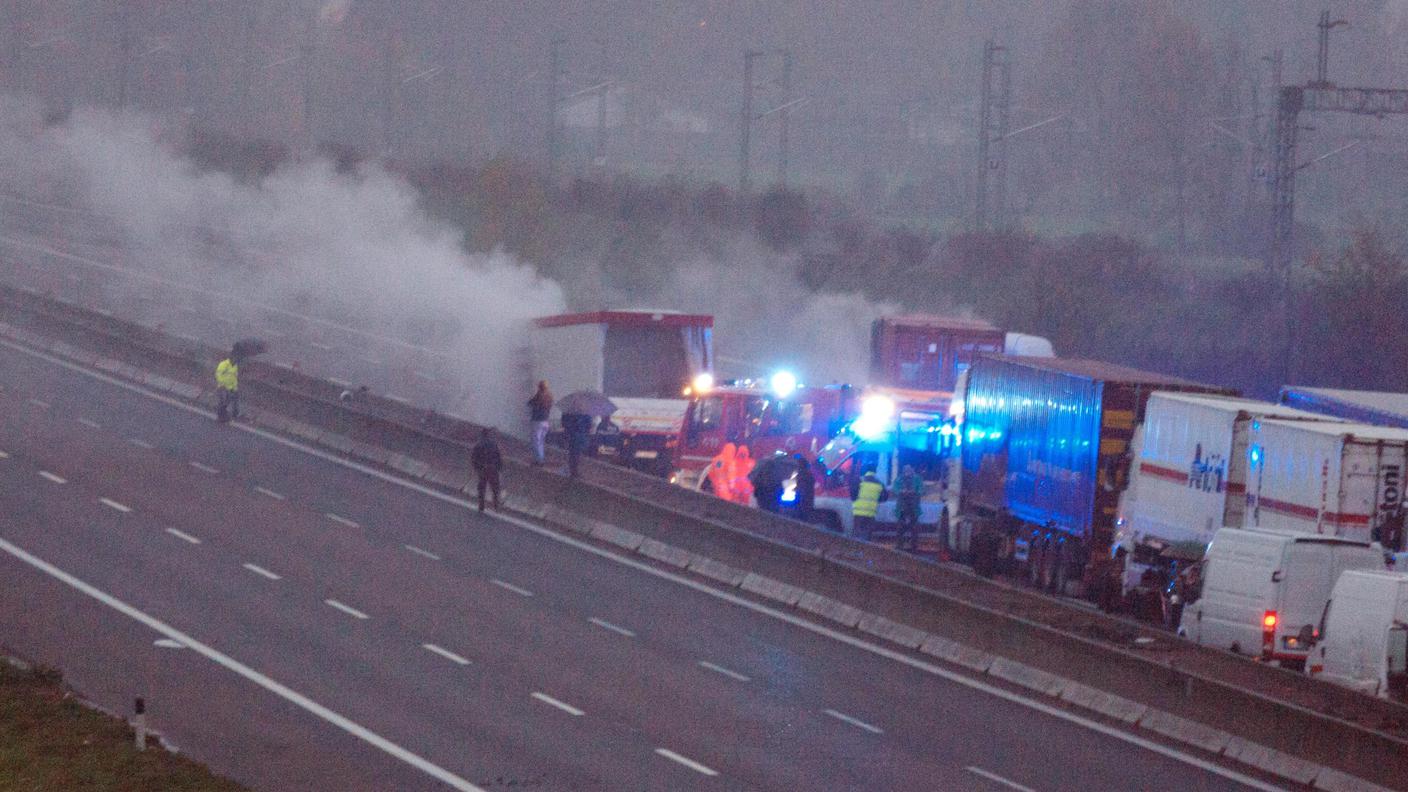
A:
[1333,479]
[1045,450]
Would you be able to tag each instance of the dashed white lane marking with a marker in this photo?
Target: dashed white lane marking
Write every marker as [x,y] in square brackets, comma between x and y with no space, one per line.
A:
[998,779]
[445,653]
[269,493]
[140,443]
[54,477]
[43,405]
[261,571]
[686,761]
[640,566]
[726,672]
[347,609]
[114,505]
[606,625]
[183,535]
[337,518]
[283,691]
[203,468]
[90,423]
[425,553]
[562,705]
[522,592]
[339,382]
[860,724]
[4,455]
[395,398]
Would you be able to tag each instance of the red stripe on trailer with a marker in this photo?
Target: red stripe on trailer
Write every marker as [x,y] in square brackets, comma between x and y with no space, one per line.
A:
[658,318]
[1312,513]
[1159,471]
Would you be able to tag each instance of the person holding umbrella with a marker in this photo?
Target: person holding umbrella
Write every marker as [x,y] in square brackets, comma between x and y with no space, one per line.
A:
[578,409]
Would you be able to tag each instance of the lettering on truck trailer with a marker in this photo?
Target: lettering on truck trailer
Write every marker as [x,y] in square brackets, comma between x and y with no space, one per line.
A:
[1391,493]
[1207,474]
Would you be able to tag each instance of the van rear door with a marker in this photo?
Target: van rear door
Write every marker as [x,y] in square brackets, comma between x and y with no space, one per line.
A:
[1307,578]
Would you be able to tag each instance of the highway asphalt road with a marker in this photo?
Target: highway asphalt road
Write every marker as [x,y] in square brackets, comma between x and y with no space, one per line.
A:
[348,632]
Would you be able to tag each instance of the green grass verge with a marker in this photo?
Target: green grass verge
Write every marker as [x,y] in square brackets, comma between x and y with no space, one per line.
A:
[49,741]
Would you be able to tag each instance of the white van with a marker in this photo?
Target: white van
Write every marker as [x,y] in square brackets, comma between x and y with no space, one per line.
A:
[1364,638]
[1264,593]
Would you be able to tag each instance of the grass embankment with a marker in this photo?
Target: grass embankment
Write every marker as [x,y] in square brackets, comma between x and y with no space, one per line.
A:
[49,741]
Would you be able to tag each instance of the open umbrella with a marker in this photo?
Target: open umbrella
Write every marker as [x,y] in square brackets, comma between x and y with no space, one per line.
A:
[586,402]
[248,347]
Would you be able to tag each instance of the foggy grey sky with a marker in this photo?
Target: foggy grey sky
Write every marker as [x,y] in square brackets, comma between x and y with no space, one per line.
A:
[865,67]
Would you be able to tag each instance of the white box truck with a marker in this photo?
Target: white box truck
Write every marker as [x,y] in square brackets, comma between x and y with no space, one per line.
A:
[1364,638]
[1188,476]
[1264,592]
[1327,479]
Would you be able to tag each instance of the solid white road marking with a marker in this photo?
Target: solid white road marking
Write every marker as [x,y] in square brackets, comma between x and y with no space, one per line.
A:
[43,405]
[721,670]
[445,653]
[140,443]
[90,424]
[347,609]
[686,761]
[606,625]
[999,779]
[693,585]
[57,479]
[562,705]
[183,535]
[337,518]
[259,570]
[421,552]
[522,592]
[841,716]
[284,692]
[114,505]
[203,468]
[268,493]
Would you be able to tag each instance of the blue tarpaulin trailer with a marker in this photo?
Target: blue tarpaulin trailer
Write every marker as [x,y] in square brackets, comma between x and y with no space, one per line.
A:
[1045,445]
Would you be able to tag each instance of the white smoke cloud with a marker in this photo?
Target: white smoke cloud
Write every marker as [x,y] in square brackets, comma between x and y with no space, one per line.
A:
[352,248]
[765,318]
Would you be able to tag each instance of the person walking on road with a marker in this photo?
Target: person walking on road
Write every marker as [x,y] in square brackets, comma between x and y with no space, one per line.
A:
[578,428]
[227,388]
[806,489]
[539,415]
[909,491]
[487,461]
[866,499]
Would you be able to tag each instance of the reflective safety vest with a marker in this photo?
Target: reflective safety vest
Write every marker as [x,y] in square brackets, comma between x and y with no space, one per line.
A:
[227,375]
[867,499]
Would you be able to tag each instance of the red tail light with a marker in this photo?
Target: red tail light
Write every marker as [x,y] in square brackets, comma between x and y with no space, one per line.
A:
[1268,633]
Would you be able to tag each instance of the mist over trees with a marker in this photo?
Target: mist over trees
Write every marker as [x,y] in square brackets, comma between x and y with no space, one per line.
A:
[1137,199]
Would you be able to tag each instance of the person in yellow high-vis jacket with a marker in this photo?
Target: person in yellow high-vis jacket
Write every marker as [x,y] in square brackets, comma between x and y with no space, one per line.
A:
[868,494]
[227,388]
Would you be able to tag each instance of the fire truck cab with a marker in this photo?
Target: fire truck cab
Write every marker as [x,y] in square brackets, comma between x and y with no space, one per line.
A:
[765,418]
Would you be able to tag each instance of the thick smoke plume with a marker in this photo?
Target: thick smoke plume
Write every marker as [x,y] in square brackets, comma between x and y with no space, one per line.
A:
[352,248]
